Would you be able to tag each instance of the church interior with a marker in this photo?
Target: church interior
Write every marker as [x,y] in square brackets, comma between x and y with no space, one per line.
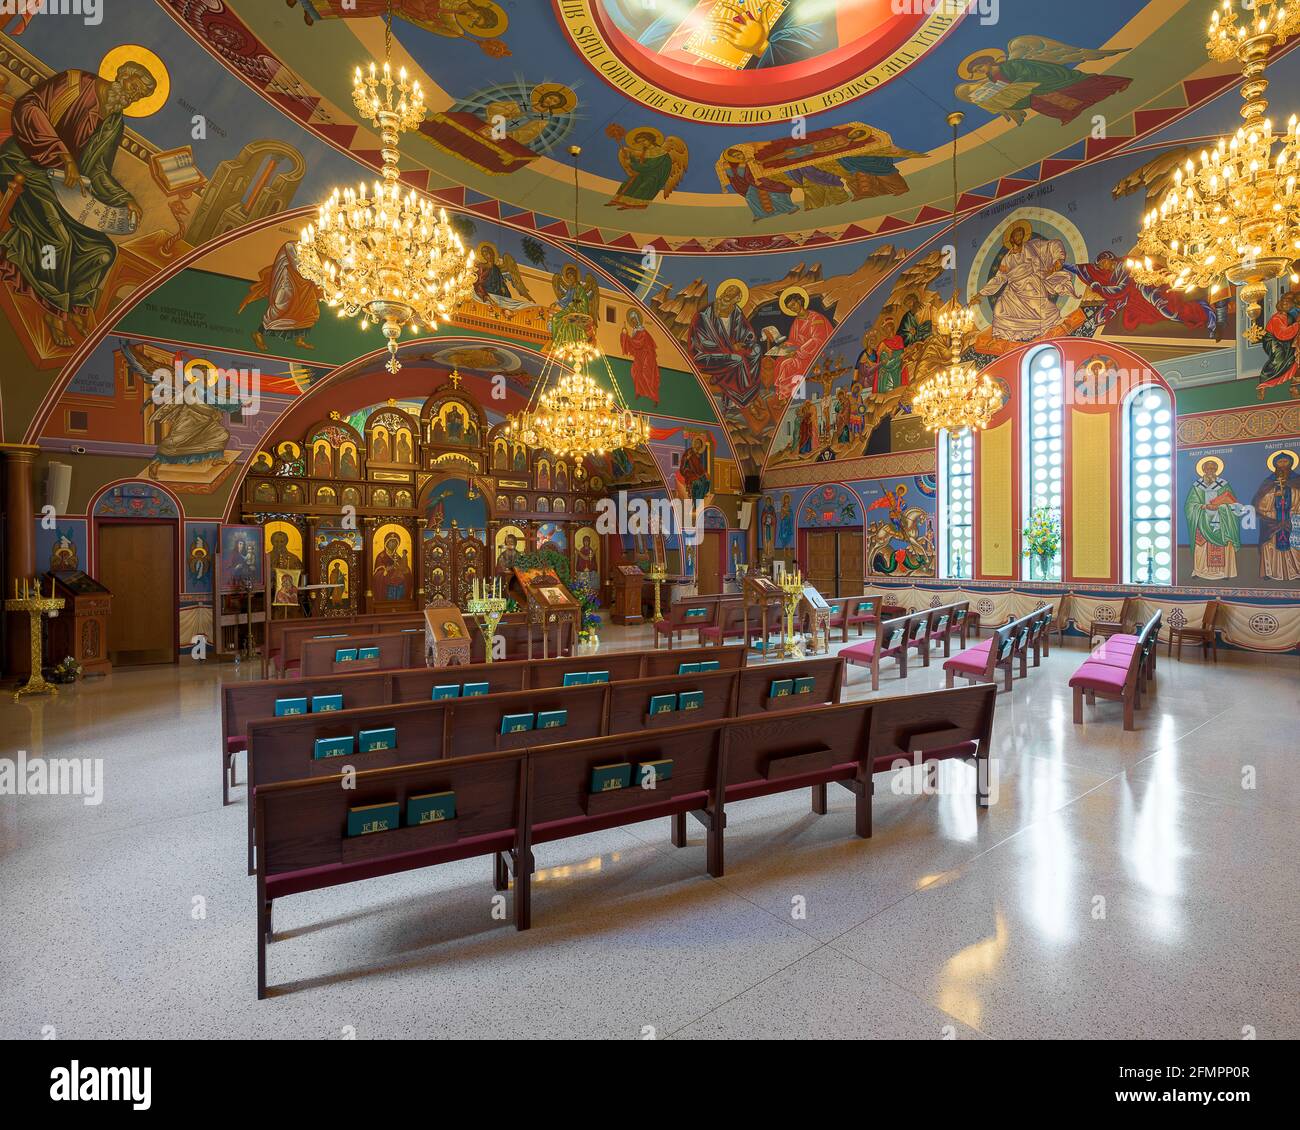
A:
[388,381]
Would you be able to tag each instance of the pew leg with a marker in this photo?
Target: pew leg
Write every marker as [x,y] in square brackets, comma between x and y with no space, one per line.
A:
[1092,698]
[250,836]
[225,779]
[523,890]
[263,928]
[1008,683]
[1129,723]
[500,876]
[948,679]
[982,780]
[679,829]
[862,809]
[819,799]
[875,677]
[1078,706]
[713,861]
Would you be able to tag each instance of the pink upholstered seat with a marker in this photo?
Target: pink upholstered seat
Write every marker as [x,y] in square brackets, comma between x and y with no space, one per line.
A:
[1099,676]
[859,653]
[974,660]
[1113,653]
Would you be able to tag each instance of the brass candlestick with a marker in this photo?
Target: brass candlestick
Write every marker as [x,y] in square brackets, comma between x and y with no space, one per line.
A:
[29,599]
[487,605]
[657,574]
[792,587]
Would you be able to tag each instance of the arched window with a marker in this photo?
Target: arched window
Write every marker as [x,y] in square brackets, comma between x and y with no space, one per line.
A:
[1148,486]
[956,504]
[1043,427]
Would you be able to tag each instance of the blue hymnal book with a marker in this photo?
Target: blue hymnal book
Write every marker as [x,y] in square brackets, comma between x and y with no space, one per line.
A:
[650,773]
[324,703]
[332,747]
[345,654]
[688,668]
[372,818]
[473,690]
[598,676]
[286,706]
[575,679]
[696,613]
[332,636]
[447,690]
[604,778]
[690,700]
[368,653]
[710,665]
[372,740]
[663,703]
[430,808]
[804,684]
[550,719]
[780,688]
[514,723]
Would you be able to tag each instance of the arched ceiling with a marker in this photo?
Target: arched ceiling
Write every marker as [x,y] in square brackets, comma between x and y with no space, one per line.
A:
[839,125]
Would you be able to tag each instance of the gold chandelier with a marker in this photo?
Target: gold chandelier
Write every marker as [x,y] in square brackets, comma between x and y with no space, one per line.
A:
[1235,220]
[576,416]
[958,396]
[387,256]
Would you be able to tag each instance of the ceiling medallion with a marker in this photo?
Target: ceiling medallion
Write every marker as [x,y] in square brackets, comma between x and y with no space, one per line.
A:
[385,256]
[1235,220]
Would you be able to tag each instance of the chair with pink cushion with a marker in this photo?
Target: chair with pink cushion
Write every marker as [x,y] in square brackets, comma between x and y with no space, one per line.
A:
[890,642]
[1116,670]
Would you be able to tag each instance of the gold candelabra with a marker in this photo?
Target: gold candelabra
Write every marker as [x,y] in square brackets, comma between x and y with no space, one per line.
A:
[28,598]
[487,605]
[792,586]
[657,574]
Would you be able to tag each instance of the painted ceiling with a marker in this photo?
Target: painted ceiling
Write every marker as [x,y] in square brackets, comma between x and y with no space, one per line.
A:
[834,182]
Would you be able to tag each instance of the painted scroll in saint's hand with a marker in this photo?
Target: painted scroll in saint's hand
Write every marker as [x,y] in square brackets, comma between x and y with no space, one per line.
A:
[89,212]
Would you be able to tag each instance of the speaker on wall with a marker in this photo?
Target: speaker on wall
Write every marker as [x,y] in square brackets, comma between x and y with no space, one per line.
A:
[746,512]
[58,487]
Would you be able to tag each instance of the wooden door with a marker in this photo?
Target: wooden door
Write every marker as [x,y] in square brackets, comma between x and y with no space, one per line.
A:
[850,563]
[138,565]
[709,561]
[822,571]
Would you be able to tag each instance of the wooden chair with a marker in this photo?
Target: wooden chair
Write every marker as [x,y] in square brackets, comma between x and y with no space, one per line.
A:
[891,642]
[1106,628]
[1207,634]
[686,616]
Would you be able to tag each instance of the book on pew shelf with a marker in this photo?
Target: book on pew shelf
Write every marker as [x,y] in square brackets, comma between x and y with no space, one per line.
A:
[332,636]
[650,773]
[606,778]
[710,665]
[473,690]
[284,707]
[575,678]
[696,613]
[446,690]
[663,703]
[430,808]
[324,703]
[598,676]
[345,654]
[780,688]
[514,723]
[551,719]
[690,700]
[804,684]
[367,653]
[372,740]
[368,818]
[332,747]
[688,668]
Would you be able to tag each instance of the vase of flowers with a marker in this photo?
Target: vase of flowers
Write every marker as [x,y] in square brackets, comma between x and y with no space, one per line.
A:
[1042,541]
[588,617]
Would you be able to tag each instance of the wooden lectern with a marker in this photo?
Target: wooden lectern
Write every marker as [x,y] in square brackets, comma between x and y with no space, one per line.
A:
[628,583]
[82,629]
[763,595]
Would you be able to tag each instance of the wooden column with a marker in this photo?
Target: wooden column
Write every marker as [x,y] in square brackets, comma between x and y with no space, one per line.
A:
[20,547]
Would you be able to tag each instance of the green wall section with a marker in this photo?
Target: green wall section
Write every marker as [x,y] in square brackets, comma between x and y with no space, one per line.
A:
[1227,394]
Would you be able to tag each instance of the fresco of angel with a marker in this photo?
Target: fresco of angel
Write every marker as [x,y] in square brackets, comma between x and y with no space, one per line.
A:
[1036,73]
[497,274]
[653,164]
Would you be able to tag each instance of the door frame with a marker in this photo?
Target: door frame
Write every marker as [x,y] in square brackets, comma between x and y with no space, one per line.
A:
[802,551]
[175,523]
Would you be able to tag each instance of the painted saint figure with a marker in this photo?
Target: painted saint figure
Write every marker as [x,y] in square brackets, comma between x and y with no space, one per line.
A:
[292,302]
[392,573]
[724,345]
[1280,345]
[809,331]
[1277,502]
[653,164]
[639,345]
[1212,522]
[1024,288]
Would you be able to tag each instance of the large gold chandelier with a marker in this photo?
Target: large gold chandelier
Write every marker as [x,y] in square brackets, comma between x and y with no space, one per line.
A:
[387,256]
[958,396]
[575,415]
[1235,220]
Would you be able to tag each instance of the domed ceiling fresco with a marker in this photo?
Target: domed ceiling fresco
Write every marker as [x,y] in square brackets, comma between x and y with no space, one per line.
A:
[776,173]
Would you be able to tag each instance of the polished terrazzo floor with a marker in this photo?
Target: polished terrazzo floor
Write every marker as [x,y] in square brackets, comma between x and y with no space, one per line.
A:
[1123,885]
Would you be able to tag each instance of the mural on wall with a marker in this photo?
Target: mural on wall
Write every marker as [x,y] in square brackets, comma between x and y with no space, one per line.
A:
[481,23]
[240,565]
[1239,523]
[899,539]
[62,548]
[199,557]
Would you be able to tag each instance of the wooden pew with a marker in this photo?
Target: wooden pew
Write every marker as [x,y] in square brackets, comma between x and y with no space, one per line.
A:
[403,648]
[508,801]
[302,845]
[1117,669]
[859,611]
[890,642]
[285,637]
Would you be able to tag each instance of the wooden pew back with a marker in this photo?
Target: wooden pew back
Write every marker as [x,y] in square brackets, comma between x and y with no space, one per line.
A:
[920,726]
[286,637]
[398,649]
